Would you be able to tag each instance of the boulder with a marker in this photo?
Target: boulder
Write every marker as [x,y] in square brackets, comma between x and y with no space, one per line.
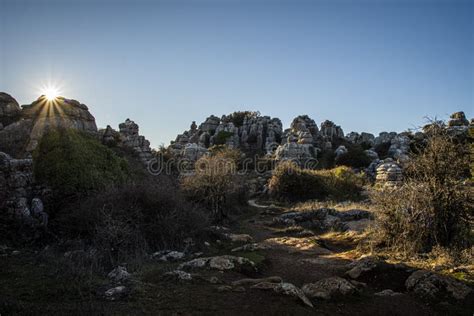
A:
[329,288]
[9,110]
[458,119]
[362,266]
[119,274]
[116,293]
[432,286]
[177,275]
[168,255]
[389,174]
[221,263]
[285,289]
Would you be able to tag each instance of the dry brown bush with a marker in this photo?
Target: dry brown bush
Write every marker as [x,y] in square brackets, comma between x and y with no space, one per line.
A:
[215,183]
[434,206]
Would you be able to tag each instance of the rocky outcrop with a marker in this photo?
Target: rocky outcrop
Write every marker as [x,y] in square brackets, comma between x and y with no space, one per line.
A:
[60,113]
[301,153]
[399,147]
[458,119]
[389,173]
[252,133]
[23,129]
[128,137]
[17,191]
[331,131]
[9,110]
[364,139]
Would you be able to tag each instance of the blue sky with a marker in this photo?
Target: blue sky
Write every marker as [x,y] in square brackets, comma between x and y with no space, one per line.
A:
[366,65]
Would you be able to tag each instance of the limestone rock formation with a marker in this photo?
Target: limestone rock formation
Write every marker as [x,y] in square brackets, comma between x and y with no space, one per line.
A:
[252,133]
[17,190]
[303,154]
[60,113]
[23,129]
[389,173]
[331,131]
[399,148]
[365,139]
[9,109]
[128,137]
[458,119]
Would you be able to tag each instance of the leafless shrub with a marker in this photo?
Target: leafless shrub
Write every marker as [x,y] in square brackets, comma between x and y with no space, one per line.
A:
[434,206]
[215,183]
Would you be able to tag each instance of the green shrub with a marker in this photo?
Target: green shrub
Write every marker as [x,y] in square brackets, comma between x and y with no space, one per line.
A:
[238,117]
[221,137]
[292,183]
[355,157]
[74,164]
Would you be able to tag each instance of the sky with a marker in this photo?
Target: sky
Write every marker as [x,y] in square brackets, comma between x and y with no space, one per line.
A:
[379,65]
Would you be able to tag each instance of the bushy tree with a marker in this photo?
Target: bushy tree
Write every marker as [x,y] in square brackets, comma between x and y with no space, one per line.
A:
[434,206]
[214,182]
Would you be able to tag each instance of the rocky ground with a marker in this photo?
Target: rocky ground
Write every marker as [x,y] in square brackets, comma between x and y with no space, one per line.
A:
[270,260]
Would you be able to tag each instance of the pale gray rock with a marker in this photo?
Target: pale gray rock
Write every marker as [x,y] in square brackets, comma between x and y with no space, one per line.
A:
[221,263]
[116,293]
[119,274]
[329,288]
[168,255]
[341,150]
[178,275]
[389,174]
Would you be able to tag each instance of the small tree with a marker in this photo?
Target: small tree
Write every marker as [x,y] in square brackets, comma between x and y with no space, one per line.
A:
[213,182]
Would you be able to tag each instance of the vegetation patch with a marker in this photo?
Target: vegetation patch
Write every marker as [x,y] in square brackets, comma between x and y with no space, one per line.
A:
[75,164]
[293,183]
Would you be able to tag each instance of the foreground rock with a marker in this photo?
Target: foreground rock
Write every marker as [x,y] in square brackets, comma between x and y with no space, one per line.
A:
[329,288]
[119,274]
[221,263]
[285,289]
[362,266]
[431,286]
[177,275]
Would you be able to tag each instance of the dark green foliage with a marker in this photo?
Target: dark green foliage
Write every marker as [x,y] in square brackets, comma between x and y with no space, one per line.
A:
[326,159]
[382,150]
[355,158]
[133,219]
[292,183]
[74,164]
[238,117]
[221,137]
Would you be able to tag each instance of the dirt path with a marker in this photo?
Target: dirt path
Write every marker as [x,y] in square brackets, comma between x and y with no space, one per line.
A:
[296,255]
[297,260]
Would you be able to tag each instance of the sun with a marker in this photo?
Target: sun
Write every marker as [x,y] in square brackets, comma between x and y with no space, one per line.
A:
[51,93]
